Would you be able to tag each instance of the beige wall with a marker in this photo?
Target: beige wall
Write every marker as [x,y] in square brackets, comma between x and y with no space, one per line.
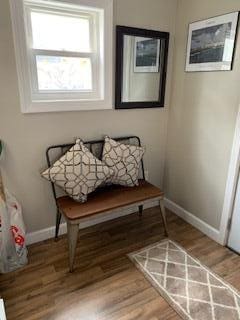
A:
[202,120]
[27,136]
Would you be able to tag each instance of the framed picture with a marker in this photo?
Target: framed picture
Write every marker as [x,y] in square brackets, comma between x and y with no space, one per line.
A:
[211,43]
[146,54]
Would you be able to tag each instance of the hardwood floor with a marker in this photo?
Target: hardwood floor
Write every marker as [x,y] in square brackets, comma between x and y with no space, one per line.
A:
[105,284]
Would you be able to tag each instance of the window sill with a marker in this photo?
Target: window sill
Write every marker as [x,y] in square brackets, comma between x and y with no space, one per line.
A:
[64,106]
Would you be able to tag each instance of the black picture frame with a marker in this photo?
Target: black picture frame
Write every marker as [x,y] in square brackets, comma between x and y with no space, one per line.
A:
[163,36]
[213,62]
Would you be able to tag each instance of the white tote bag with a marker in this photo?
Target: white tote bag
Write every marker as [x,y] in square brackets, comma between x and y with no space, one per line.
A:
[13,251]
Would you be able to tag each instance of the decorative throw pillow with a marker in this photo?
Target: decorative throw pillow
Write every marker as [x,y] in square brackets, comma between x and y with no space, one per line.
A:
[125,161]
[78,172]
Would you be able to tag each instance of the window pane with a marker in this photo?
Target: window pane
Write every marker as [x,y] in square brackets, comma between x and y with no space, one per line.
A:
[64,73]
[58,32]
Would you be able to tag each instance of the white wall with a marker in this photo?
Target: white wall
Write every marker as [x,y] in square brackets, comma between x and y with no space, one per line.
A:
[202,119]
[27,136]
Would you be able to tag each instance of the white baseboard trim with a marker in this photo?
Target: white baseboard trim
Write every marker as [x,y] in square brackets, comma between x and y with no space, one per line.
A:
[193,220]
[47,233]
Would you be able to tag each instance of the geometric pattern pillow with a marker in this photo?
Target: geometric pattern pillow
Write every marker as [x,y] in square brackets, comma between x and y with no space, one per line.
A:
[125,160]
[78,172]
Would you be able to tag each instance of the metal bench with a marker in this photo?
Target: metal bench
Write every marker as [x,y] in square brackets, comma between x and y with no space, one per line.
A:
[102,201]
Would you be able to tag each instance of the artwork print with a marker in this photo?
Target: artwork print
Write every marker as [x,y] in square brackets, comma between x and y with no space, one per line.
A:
[146,57]
[211,43]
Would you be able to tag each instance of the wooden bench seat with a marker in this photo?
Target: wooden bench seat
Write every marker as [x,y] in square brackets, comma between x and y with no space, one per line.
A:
[108,199]
[103,201]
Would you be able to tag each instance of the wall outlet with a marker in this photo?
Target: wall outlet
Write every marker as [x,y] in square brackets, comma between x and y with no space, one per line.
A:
[146,174]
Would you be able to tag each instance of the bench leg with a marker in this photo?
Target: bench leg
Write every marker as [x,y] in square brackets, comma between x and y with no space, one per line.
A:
[163,214]
[58,221]
[72,230]
[140,211]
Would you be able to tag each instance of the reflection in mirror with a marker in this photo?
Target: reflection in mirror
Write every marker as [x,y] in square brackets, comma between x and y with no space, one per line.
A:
[141,67]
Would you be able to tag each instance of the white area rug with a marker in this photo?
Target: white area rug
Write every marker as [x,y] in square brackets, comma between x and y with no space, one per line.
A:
[193,290]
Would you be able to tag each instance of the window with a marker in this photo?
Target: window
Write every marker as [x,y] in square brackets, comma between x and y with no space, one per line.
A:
[63,53]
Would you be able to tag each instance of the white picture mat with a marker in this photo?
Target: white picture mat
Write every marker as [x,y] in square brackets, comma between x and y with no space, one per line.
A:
[229,44]
[147,68]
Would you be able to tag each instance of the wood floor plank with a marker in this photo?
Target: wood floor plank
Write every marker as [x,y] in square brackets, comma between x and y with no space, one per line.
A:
[105,284]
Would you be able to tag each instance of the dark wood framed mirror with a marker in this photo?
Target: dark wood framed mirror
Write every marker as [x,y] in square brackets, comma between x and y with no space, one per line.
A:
[141,68]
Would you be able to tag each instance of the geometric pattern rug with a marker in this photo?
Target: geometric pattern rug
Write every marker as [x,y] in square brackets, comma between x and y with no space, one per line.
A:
[193,290]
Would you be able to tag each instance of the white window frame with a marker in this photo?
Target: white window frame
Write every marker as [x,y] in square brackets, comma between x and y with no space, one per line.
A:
[32,100]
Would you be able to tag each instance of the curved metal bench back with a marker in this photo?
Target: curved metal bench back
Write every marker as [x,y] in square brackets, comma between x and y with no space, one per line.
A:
[95,146]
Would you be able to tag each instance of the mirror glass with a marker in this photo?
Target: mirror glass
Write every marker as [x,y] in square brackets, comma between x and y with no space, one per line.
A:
[141,68]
